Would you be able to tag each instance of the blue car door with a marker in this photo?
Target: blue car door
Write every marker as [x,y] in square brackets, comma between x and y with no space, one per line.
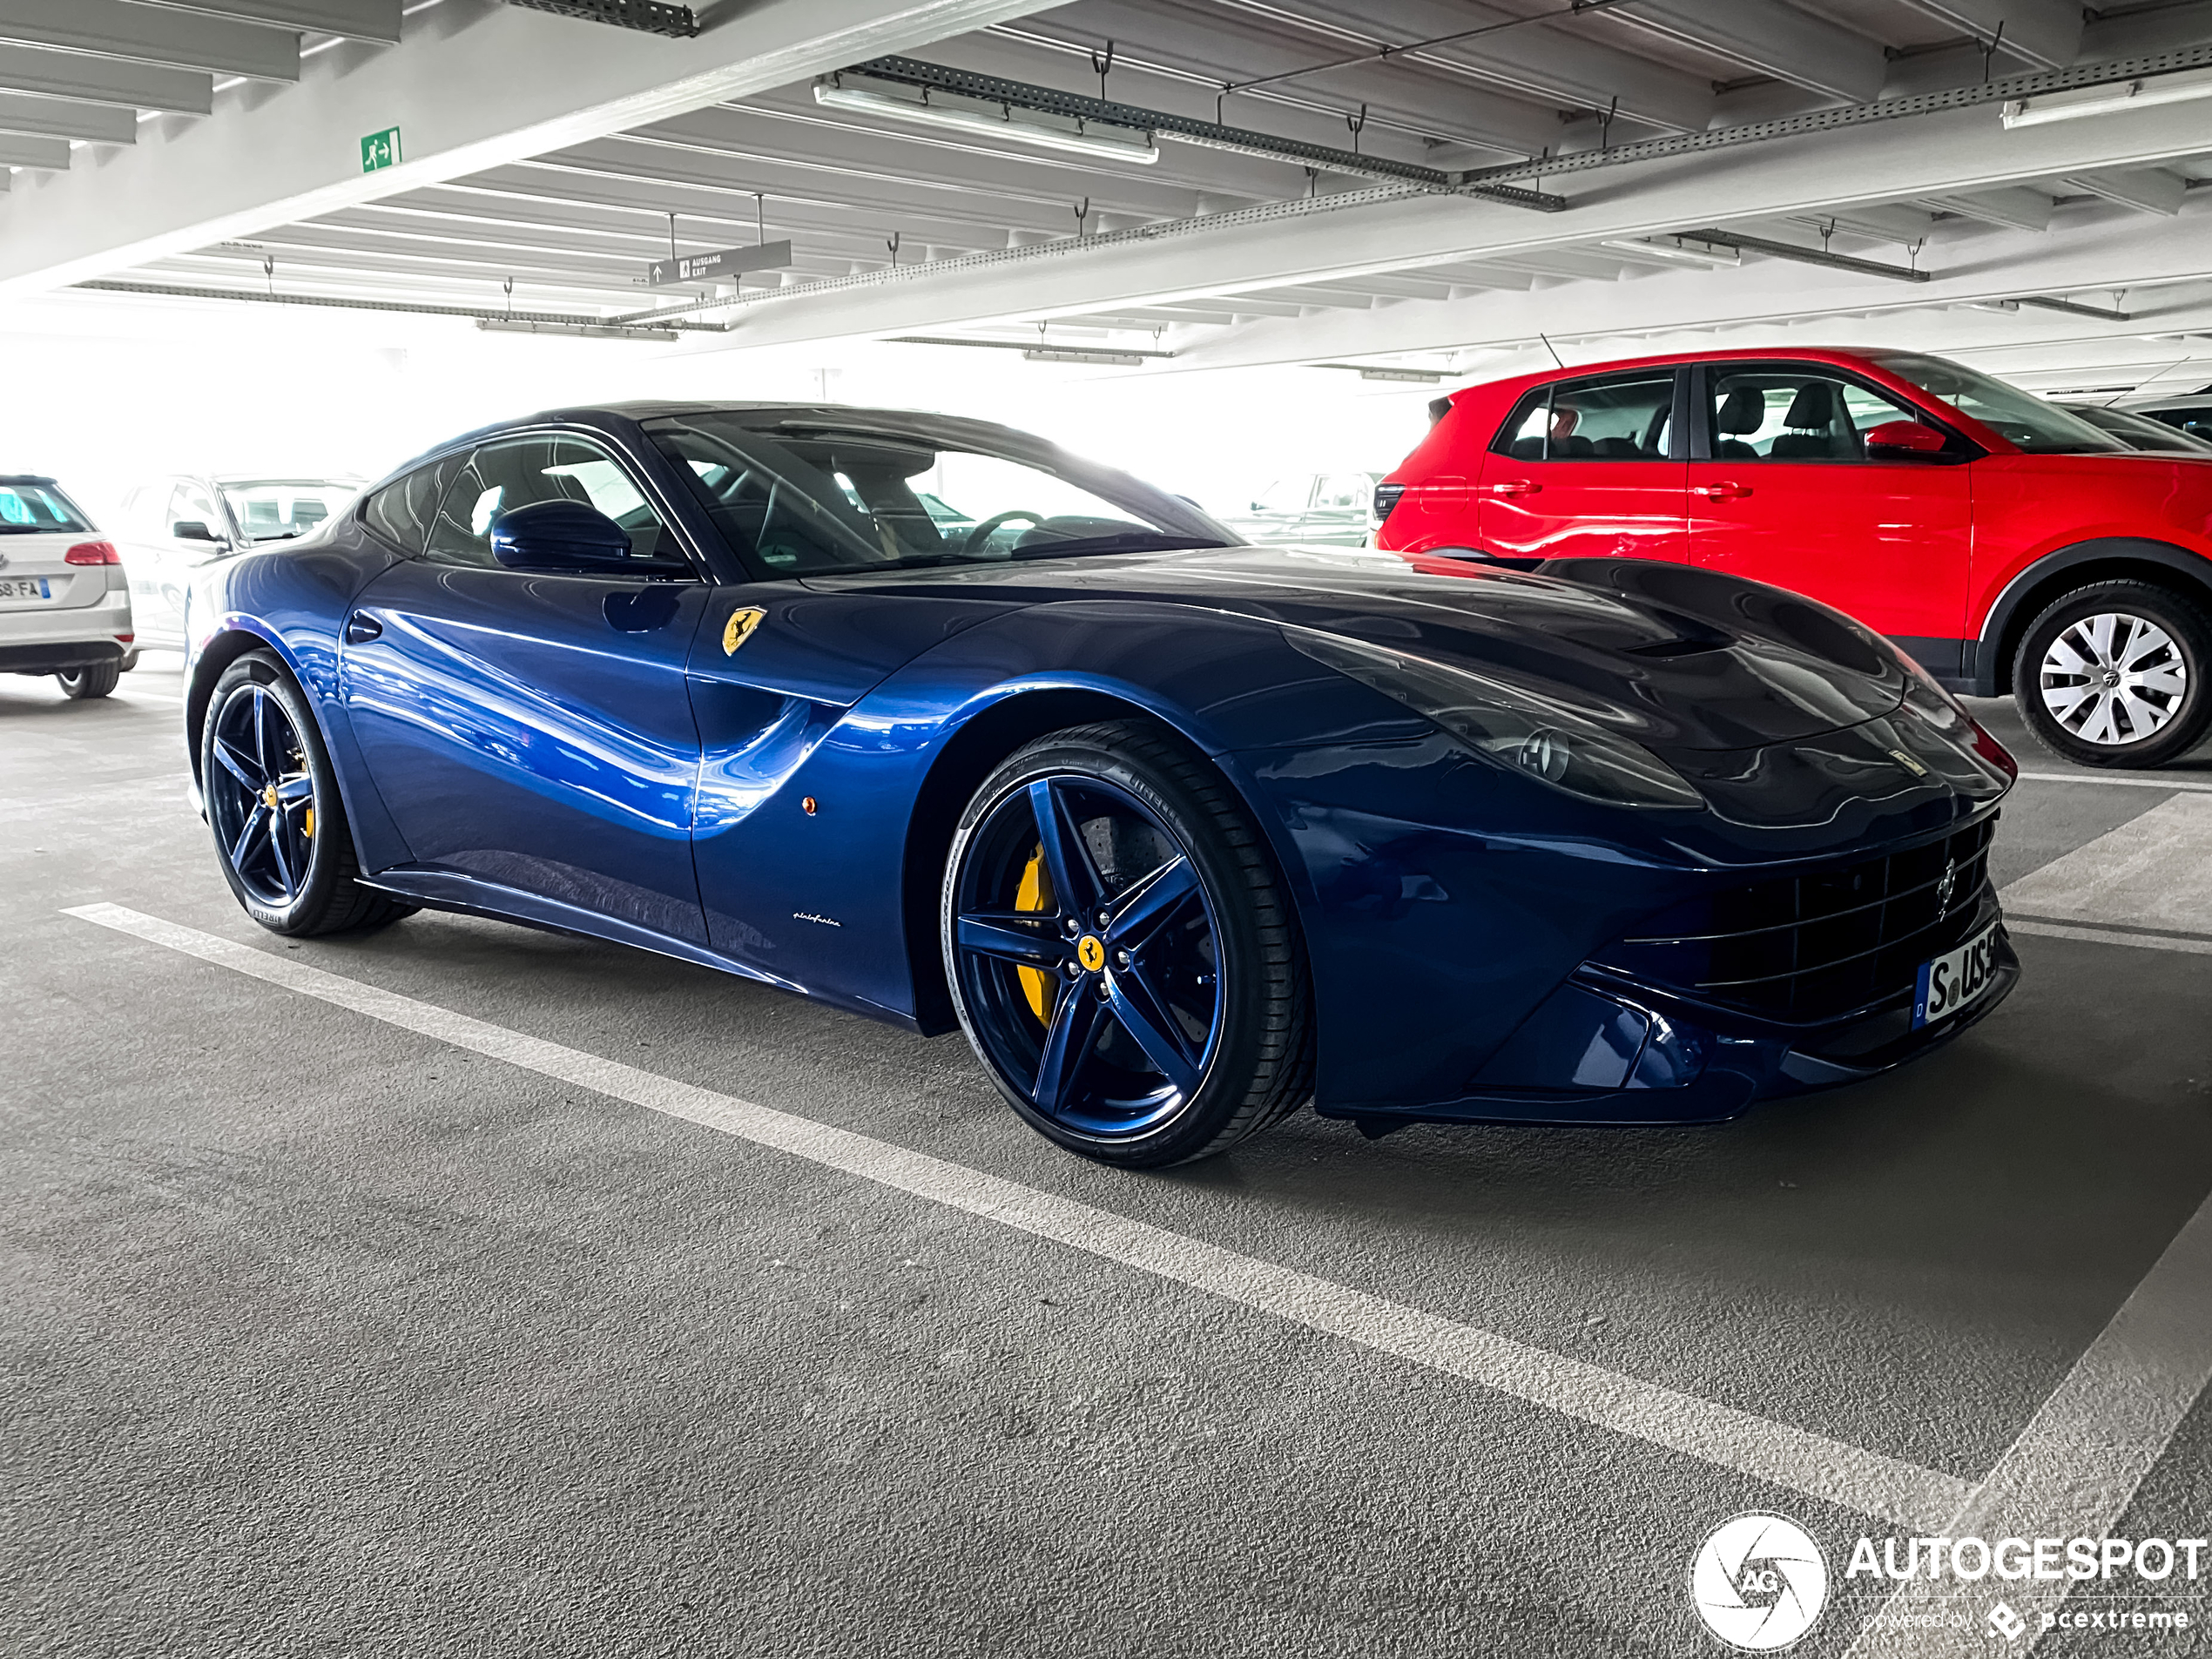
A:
[533,731]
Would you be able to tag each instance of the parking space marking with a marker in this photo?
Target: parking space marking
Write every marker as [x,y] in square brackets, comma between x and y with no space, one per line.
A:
[2182,783]
[1796,1459]
[2154,871]
[2108,935]
[2076,1465]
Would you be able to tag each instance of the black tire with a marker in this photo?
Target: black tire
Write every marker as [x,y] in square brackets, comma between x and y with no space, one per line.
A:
[1256,1063]
[2145,702]
[95,680]
[328,897]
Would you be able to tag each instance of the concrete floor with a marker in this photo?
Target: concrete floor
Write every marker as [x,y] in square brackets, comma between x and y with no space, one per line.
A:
[323,1336]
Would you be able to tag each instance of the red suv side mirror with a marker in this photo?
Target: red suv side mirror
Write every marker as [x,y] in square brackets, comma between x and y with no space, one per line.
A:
[1896,439]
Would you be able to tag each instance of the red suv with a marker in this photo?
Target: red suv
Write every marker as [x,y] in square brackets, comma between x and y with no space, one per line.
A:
[2004,543]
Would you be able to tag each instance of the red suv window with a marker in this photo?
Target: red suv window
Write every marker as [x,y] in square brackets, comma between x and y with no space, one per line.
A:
[1621,417]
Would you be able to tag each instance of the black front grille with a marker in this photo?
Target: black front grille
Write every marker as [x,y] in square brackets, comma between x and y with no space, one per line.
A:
[1819,945]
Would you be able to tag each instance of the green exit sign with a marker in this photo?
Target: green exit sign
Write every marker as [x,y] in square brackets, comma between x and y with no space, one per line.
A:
[381,149]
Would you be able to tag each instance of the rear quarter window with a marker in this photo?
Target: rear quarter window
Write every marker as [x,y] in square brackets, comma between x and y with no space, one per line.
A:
[403,511]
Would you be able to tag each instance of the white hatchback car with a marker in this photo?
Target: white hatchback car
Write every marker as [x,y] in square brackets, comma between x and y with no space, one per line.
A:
[64,603]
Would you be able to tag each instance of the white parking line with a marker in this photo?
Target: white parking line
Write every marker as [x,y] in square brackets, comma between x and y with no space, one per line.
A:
[2108,936]
[2105,778]
[2077,1464]
[1828,1470]
[2154,871]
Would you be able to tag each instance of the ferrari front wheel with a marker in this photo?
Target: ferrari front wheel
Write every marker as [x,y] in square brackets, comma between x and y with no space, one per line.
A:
[272,806]
[1122,951]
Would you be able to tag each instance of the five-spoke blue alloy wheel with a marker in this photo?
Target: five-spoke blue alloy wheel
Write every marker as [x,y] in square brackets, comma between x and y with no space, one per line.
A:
[271,804]
[260,798]
[1120,951]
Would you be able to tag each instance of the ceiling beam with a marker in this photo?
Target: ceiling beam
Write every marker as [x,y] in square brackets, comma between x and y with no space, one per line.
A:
[373,20]
[105,80]
[1192,64]
[1545,64]
[2046,33]
[2147,190]
[1359,234]
[48,154]
[2014,207]
[152,35]
[2151,259]
[56,118]
[472,87]
[1780,41]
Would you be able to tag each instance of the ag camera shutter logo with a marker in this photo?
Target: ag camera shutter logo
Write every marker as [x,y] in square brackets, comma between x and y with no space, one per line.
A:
[1759,1582]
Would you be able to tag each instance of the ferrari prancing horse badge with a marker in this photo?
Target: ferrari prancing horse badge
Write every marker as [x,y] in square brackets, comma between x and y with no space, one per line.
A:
[739,628]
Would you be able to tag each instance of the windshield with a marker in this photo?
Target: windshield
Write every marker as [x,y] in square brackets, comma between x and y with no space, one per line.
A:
[269,509]
[801,492]
[30,507]
[2018,417]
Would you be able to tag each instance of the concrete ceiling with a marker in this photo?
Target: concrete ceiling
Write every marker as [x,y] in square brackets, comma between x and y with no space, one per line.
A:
[560,156]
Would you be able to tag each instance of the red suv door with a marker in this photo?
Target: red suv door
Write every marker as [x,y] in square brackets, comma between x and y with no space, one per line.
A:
[1781,490]
[1590,467]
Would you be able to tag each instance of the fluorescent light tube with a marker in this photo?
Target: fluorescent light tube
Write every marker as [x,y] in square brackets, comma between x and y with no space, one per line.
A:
[1023,127]
[2107,100]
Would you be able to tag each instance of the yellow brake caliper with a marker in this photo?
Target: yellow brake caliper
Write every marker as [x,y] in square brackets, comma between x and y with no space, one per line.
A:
[1034,893]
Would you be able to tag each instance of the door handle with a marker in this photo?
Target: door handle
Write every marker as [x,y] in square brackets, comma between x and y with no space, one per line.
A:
[360,628]
[1723,491]
[1516,486]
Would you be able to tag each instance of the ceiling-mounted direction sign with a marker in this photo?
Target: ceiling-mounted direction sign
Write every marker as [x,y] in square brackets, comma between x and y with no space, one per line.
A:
[722,262]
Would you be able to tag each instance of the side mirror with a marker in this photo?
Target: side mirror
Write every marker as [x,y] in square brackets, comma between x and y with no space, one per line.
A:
[560,536]
[1902,440]
[191,530]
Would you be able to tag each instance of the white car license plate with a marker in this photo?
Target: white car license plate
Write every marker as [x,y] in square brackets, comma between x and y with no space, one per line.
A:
[25,587]
[1952,981]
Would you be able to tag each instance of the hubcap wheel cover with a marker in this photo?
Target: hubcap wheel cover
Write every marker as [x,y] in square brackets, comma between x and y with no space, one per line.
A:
[2112,679]
[1128,958]
[260,798]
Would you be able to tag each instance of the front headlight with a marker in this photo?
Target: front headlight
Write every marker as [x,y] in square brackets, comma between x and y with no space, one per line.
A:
[1945,715]
[1934,705]
[1534,735]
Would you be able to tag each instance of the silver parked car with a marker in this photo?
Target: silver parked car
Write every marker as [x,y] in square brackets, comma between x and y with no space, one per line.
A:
[1334,509]
[172,526]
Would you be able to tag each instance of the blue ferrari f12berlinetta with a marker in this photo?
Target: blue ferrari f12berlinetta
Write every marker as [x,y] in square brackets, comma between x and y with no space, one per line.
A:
[934,721]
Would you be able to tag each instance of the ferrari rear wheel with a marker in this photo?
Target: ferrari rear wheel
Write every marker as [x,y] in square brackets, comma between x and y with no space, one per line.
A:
[1121,951]
[272,806]
[2116,674]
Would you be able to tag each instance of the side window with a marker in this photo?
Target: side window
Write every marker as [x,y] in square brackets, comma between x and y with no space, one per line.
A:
[1618,418]
[1777,412]
[517,472]
[2195,422]
[400,512]
[189,502]
[1344,491]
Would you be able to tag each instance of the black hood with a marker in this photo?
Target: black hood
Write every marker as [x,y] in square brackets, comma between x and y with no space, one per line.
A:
[1672,657]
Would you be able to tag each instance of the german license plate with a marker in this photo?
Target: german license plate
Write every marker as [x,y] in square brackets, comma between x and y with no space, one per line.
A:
[25,587]
[1956,980]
